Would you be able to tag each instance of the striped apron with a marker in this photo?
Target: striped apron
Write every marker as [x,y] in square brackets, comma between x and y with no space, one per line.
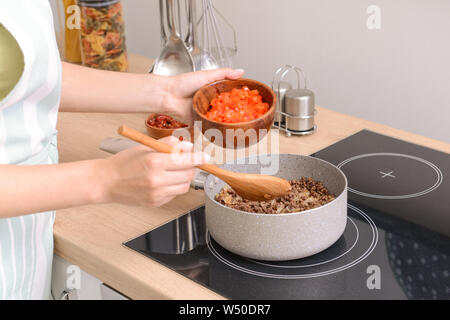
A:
[28,117]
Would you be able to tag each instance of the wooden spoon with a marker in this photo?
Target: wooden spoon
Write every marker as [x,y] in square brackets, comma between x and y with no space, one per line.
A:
[255,187]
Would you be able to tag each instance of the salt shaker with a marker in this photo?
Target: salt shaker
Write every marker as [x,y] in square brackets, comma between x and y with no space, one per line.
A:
[300,106]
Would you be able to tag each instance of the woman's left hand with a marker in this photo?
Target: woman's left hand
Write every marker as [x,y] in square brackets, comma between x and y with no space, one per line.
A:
[178,100]
[89,90]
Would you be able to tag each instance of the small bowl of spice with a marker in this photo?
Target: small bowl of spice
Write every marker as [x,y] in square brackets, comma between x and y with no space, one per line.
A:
[160,126]
[242,108]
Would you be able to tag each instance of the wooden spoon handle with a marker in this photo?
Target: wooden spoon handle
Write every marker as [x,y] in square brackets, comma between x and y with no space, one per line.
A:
[165,148]
[146,140]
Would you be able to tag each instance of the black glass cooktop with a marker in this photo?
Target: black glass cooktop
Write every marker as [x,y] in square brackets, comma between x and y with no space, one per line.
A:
[396,244]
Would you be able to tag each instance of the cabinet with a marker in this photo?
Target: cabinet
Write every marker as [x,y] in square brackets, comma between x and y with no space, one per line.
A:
[71,283]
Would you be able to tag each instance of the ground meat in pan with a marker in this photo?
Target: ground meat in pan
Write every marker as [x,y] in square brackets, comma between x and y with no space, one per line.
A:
[305,194]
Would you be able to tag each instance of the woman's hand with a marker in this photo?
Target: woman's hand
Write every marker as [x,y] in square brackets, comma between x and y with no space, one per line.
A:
[89,90]
[136,176]
[177,101]
[140,176]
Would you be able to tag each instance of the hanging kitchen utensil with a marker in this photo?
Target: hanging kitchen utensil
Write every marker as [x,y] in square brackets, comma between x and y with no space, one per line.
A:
[202,59]
[295,106]
[205,38]
[212,39]
[175,57]
[161,22]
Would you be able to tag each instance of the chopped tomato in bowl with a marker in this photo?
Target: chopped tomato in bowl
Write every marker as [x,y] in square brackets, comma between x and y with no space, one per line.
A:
[237,105]
[234,113]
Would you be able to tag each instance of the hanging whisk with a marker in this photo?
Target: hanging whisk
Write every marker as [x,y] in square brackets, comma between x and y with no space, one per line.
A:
[212,38]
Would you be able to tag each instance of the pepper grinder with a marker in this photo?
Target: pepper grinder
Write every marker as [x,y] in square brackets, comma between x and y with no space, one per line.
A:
[280,91]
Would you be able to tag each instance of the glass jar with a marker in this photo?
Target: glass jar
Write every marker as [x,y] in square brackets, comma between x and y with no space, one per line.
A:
[103,35]
[67,29]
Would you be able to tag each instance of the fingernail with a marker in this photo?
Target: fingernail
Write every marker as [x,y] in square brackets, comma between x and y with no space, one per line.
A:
[239,70]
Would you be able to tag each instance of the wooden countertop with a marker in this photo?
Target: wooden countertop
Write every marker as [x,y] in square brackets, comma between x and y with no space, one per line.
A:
[92,236]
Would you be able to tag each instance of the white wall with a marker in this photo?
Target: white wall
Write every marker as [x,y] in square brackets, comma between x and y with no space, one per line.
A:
[398,75]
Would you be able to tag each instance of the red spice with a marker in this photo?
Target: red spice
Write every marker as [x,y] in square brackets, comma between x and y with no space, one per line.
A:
[165,122]
[238,105]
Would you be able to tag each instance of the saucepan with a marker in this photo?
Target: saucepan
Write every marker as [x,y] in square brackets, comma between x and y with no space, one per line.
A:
[278,237]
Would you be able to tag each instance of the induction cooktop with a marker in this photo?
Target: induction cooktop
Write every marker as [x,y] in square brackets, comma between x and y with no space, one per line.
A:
[396,244]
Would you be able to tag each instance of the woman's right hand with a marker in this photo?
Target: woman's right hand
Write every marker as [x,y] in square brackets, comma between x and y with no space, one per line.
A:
[140,176]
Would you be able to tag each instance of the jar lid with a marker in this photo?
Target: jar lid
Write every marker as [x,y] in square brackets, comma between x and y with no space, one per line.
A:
[96,3]
[302,94]
[299,102]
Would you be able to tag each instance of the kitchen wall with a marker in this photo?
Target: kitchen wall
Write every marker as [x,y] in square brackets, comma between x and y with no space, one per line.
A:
[397,75]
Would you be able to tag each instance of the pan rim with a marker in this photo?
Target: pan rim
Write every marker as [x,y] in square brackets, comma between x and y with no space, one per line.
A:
[305,212]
